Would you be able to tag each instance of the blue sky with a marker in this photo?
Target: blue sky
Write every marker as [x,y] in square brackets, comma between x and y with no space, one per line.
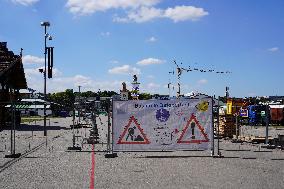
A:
[101,43]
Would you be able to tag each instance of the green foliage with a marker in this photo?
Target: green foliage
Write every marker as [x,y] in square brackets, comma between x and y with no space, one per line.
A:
[107,93]
[129,95]
[89,94]
[223,99]
[65,99]
[145,96]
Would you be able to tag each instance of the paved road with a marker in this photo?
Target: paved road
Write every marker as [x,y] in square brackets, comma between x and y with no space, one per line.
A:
[55,167]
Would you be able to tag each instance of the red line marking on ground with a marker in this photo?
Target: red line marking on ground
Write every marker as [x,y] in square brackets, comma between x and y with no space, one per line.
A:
[92,176]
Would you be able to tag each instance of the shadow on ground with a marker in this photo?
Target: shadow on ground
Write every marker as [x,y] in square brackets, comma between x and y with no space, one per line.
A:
[163,157]
[25,127]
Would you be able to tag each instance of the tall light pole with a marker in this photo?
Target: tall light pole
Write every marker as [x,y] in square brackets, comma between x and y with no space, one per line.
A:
[79,107]
[46,36]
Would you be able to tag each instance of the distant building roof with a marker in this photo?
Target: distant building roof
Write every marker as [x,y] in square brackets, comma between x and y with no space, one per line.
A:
[25,91]
[275,98]
[27,106]
[276,106]
[195,94]
[32,100]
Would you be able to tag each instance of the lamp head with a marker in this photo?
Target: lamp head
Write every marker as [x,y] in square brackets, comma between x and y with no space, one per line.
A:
[47,36]
[45,24]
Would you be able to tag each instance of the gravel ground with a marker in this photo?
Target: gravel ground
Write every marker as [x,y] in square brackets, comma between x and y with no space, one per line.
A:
[260,131]
[243,166]
[30,135]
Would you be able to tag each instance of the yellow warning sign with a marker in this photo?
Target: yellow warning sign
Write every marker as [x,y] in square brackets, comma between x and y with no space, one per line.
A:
[202,106]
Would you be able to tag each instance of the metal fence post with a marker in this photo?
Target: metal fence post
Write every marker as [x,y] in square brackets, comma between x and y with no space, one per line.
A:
[112,127]
[236,126]
[218,128]
[212,122]
[108,127]
[110,153]
[12,122]
[267,123]
[14,128]
[13,133]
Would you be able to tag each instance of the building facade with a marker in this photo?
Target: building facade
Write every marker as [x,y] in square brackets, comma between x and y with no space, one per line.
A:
[12,79]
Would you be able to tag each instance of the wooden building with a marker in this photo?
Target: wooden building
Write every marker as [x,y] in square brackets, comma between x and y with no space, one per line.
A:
[12,79]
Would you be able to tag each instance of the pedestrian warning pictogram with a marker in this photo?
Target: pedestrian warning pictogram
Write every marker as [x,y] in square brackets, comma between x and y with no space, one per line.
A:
[133,133]
[190,134]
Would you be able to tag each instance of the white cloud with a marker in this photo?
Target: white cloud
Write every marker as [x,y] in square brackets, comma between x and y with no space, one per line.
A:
[137,10]
[82,81]
[202,81]
[105,34]
[251,94]
[29,59]
[177,14]
[25,2]
[85,7]
[120,19]
[34,72]
[125,69]
[56,72]
[273,49]
[150,61]
[60,83]
[74,81]
[150,77]
[182,13]
[143,14]
[150,87]
[152,39]
[31,72]
[114,61]
[153,86]
[87,83]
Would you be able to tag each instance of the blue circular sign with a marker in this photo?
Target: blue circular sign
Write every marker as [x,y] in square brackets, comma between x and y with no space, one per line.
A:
[162,115]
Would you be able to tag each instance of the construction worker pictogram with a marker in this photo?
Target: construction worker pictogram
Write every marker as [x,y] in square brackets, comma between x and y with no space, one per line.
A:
[133,133]
[189,132]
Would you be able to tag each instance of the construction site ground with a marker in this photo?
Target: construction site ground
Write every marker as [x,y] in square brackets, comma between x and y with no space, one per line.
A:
[48,163]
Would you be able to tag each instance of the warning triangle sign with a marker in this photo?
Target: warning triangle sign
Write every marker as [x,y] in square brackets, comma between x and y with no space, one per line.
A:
[193,132]
[133,133]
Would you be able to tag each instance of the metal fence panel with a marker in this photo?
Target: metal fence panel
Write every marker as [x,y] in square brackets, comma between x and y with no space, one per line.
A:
[162,125]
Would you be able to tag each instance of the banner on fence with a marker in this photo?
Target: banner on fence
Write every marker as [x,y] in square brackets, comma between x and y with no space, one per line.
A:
[161,125]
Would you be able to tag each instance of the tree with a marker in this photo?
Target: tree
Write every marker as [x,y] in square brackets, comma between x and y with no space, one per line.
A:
[88,94]
[107,93]
[64,100]
[145,96]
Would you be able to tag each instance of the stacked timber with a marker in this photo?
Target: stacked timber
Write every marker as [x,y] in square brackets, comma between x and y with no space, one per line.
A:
[227,125]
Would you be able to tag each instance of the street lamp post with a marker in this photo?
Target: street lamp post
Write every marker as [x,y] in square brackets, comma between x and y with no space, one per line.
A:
[79,107]
[46,36]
